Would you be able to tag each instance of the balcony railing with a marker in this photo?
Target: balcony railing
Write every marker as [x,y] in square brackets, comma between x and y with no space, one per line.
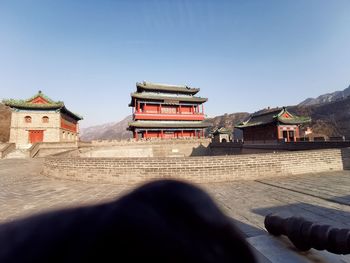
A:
[168,116]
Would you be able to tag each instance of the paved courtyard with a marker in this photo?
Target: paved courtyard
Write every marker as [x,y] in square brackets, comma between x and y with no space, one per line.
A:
[323,197]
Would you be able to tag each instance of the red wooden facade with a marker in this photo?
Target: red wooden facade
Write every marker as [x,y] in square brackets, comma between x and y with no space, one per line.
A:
[36,136]
[272,132]
[169,134]
[146,111]
[68,123]
[166,112]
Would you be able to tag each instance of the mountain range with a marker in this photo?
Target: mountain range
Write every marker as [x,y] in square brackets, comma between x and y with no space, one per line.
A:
[108,131]
[326,98]
[328,119]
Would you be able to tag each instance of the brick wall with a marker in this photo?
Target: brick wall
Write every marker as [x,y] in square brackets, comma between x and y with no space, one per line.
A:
[152,141]
[19,128]
[52,131]
[197,169]
[163,148]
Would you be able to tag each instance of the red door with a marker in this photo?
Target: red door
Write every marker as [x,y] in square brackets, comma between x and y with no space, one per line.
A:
[36,136]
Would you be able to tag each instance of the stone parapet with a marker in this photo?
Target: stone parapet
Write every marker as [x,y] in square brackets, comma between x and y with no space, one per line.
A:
[146,141]
[6,148]
[206,169]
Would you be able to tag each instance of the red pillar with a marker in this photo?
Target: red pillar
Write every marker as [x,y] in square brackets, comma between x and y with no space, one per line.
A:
[160,108]
[296,133]
[161,134]
[146,134]
[135,135]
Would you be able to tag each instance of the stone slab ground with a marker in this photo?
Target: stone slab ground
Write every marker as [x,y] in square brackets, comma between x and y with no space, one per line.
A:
[320,197]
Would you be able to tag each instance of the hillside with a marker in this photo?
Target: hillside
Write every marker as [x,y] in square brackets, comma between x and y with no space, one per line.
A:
[227,120]
[109,131]
[330,119]
[5,123]
[327,98]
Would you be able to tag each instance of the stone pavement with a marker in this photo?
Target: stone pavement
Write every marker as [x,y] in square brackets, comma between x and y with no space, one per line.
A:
[322,197]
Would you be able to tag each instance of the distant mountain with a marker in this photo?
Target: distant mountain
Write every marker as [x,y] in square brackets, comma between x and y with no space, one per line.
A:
[326,98]
[5,123]
[227,120]
[109,131]
[328,119]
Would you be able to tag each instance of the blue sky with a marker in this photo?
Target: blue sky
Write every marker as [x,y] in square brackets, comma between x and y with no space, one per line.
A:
[244,55]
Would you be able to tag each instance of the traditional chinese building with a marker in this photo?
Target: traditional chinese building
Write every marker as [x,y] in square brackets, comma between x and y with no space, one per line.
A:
[272,125]
[222,135]
[166,111]
[40,119]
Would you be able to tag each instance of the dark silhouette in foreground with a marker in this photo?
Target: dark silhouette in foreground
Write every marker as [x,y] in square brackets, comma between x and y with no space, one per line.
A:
[306,235]
[162,221]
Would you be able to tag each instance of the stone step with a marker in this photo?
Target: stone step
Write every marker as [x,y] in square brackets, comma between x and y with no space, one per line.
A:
[17,154]
[23,146]
[280,250]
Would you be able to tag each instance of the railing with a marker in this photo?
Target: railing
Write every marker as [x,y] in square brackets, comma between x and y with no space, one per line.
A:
[9,147]
[169,113]
[168,116]
[132,141]
[34,149]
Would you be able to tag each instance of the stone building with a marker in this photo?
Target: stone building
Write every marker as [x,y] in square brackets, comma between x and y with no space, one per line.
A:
[272,125]
[166,111]
[40,119]
[222,135]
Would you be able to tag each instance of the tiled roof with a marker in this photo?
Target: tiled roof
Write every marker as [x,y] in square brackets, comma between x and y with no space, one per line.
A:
[222,130]
[48,105]
[170,99]
[162,124]
[27,104]
[148,86]
[42,95]
[279,115]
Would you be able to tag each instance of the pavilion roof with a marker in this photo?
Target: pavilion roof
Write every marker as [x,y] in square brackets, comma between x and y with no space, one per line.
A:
[222,130]
[169,99]
[163,124]
[40,102]
[149,86]
[275,115]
